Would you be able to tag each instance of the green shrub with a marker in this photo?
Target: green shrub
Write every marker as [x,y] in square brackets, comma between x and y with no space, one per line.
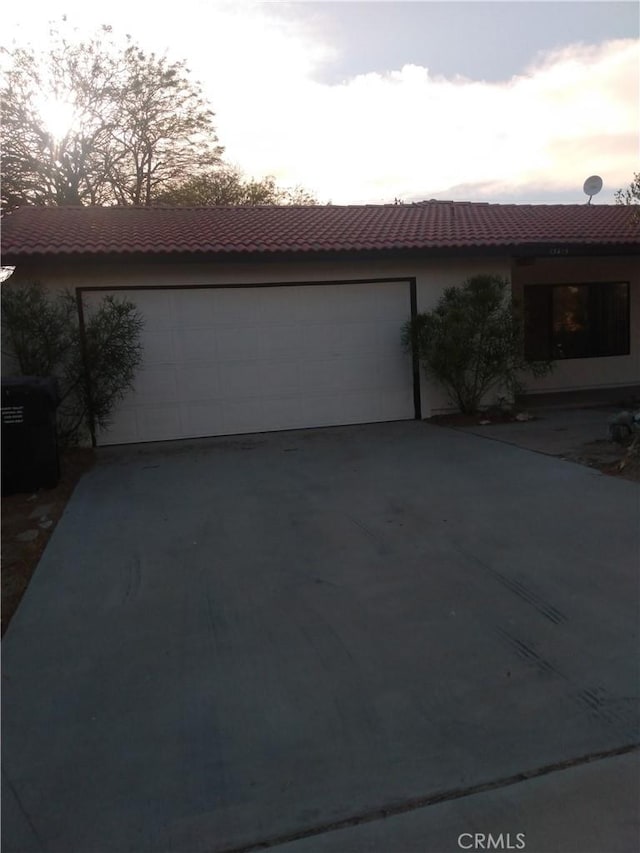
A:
[42,333]
[472,342]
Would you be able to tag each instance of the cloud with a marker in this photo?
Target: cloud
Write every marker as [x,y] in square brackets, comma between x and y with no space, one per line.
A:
[405,133]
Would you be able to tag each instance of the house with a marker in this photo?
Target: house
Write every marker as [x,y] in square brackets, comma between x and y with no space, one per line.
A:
[269,318]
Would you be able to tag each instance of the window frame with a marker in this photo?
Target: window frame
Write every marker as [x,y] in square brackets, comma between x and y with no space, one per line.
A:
[549,332]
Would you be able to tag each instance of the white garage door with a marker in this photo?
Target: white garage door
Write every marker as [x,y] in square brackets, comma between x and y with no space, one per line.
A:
[223,361]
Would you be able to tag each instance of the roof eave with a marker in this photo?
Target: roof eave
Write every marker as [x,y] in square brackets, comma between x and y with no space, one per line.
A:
[556,248]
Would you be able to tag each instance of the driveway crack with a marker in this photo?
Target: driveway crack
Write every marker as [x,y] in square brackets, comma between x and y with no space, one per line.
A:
[23,810]
[383,812]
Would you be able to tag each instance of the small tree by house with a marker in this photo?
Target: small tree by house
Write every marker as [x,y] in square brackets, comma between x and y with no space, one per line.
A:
[472,342]
[94,372]
[227,185]
[631,196]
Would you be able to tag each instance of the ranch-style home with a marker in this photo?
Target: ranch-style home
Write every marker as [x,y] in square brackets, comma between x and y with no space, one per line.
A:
[274,318]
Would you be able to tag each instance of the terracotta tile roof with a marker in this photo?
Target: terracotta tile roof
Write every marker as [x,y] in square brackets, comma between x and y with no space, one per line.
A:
[62,231]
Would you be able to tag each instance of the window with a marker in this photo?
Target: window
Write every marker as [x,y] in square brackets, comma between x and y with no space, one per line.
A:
[576,320]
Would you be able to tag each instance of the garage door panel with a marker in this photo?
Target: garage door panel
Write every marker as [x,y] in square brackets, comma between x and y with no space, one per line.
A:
[155,383]
[238,342]
[283,412]
[159,347]
[159,422]
[279,377]
[323,409]
[359,338]
[390,336]
[390,302]
[241,415]
[321,375]
[193,345]
[278,341]
[197,382]
[316,305]
[240,379]
[221,361]
[194,309]
[391,375]
[360,404]
[203,418]
[362,376]
[343,408]
[362,302]
[322,339]
[129,401]
[285,309]
[237,305]
[353,309]
[397,401]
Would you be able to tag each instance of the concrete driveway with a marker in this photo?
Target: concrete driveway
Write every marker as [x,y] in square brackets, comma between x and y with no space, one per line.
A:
[238,641]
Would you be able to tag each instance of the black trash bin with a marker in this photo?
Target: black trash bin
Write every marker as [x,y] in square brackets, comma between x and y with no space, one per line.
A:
[30,457]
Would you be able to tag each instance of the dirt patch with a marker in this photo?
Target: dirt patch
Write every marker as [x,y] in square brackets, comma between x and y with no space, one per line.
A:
[28,520]
[608,457]
[628,466]
[628,470]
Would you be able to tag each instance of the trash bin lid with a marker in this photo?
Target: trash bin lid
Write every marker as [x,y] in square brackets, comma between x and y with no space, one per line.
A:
[40,386]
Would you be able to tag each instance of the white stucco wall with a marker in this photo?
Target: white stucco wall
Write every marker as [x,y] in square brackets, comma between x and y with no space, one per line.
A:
[432,276]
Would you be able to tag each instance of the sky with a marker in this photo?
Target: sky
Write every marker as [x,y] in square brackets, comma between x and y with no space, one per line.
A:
[368,102]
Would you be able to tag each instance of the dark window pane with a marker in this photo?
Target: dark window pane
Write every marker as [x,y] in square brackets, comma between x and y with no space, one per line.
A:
[537,328]
[610,305]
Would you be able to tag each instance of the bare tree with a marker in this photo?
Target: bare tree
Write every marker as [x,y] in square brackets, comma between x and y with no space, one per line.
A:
[630,195]
[137,124]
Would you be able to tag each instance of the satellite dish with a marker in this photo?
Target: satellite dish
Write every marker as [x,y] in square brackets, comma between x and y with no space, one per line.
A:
[592,186]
